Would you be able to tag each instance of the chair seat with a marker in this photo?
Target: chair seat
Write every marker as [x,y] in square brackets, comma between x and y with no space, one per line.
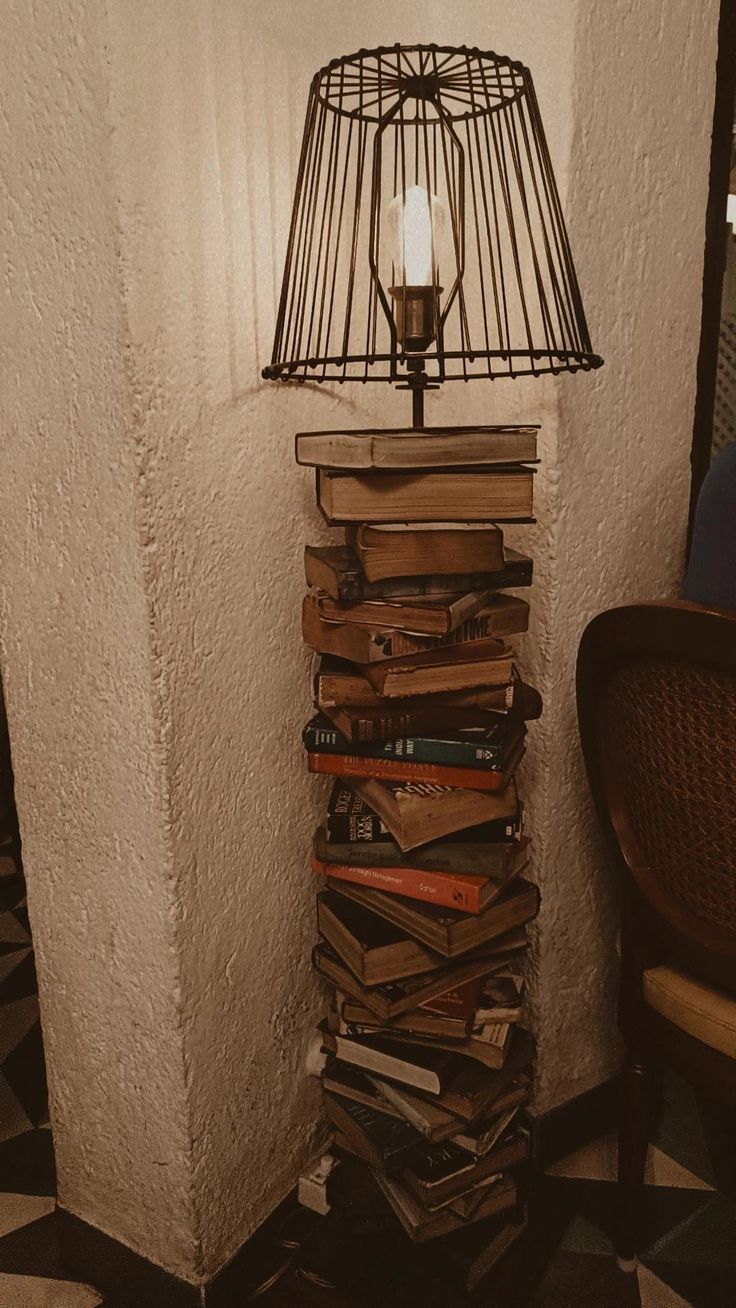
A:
[706,1014]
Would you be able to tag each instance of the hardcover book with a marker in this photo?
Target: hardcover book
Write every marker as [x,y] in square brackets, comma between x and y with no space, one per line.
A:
[419,615]
[421,1224]
[452,667]
[481,1137]
[355,1018]
[389,999]
[472,1091]
[340,684]
[350,1083]
[375,950]
[437,1172]
[402,770]
[385,550]
[490,1054]
[398,875]
[417,812]
[422,1111]
[387,721]
[485,747]
[482,854]
[487,495]
[337,571]
[447,931]
[472,894]
[433,447]
[350,820]
[502,615]
[384,1141]
[424,1068]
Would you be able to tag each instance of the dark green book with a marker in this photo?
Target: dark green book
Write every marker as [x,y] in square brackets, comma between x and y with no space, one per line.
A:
[485,748]
[479,858]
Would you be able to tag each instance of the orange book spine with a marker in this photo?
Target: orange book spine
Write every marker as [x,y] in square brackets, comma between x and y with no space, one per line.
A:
[450,891]
[397,769]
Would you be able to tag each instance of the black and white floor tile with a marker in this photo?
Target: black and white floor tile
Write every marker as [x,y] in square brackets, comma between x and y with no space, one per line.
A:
[31,1271]
[565,1260]
[688,1258]
[23,1096]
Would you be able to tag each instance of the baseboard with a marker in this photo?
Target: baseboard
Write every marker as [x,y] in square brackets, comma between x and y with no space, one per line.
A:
[112,1267]
[575,1123]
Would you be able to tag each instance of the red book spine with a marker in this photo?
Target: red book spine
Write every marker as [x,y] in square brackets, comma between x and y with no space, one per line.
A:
[448,890]
[461,1001]
[398,769]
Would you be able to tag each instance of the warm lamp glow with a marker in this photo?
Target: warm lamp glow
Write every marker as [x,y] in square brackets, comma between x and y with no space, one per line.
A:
[415,223]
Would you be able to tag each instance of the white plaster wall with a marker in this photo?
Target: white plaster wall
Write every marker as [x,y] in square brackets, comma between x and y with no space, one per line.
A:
[183,516]
[207,105]
[75,653]
[618,491]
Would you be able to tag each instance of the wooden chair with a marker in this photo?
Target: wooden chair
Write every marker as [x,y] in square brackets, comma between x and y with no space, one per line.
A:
[656,688]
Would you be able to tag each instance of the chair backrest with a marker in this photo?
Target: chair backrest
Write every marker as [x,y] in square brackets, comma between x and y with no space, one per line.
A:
[656,687]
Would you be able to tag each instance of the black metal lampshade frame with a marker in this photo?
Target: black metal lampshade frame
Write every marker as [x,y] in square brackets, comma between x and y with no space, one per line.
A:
[503,298]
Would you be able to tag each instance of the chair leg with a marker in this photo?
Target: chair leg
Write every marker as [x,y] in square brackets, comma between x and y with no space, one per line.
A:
[633,1141]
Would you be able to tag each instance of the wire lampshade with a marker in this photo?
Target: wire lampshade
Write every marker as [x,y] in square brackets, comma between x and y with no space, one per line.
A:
[426,231]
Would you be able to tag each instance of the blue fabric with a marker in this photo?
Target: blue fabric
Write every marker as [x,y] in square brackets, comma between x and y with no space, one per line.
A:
[711,573]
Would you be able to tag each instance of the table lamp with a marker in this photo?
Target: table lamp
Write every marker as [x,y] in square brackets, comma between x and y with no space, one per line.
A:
[427,241]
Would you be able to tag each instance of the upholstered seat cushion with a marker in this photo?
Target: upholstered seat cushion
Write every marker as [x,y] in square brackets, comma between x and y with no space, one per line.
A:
[706,1014]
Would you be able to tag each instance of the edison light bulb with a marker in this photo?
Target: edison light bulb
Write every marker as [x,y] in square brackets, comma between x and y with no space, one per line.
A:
[416,223]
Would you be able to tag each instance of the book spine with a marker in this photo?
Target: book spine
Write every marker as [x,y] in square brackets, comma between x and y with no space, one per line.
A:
[417,749]
[396,643]
[461,1001]
[354,828]
[349,586]
[352,586]
[391,769]
[450,859]
[345,691]
[428,887]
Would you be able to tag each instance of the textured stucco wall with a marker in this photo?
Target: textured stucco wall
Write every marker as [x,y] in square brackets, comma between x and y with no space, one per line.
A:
[151,551]
[207,125]
[83,716]
[617,493]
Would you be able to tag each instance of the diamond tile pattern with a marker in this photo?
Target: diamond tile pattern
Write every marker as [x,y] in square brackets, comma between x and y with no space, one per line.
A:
[564,1261]
[23,1096]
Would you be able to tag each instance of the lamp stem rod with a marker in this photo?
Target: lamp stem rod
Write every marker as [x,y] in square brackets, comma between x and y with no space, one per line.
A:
[418,382]
[417,407]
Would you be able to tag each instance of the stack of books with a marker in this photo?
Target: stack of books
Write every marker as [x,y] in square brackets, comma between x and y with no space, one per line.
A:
[424,898]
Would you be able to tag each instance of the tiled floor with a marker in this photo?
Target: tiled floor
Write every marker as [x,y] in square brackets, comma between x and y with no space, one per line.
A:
[564,1261]
[23,1096]
[31,1274]
[689,1251]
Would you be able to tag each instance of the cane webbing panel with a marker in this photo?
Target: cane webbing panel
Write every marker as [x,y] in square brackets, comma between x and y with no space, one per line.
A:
[670,728]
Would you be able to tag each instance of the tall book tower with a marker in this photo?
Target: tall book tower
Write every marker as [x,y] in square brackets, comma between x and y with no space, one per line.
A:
[421,860]
[427,244]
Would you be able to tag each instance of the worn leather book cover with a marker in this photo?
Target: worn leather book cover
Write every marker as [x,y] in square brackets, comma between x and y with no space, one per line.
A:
[337,571]
[405,447]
